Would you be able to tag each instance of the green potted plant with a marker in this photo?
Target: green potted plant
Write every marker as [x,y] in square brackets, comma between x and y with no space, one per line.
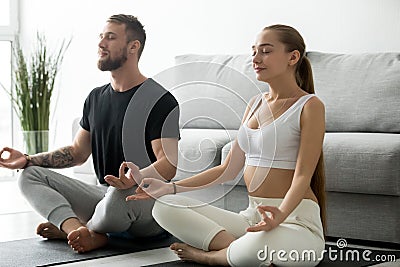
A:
[33,85]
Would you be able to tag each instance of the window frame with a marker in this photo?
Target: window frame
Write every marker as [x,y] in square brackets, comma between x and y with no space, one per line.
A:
[9,32]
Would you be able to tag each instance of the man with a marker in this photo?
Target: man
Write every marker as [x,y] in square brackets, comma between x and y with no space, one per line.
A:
[84,213]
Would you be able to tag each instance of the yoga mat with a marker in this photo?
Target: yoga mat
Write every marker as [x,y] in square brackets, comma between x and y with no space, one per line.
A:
[338,258]
[41,252]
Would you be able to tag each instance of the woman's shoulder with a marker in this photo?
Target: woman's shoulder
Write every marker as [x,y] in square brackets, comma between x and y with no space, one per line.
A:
[250,105]
[314,103]
[313,109]
[254,98]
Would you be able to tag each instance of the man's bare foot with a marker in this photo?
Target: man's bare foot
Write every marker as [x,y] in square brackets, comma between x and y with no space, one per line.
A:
[84,240]
[50,231]
[189,253]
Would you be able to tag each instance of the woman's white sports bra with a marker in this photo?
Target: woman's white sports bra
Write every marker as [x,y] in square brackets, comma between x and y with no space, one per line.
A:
[275,145]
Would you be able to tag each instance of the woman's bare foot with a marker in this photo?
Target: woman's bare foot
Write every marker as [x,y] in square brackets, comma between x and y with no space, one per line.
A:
[189,253]
[50,231]
[84,240]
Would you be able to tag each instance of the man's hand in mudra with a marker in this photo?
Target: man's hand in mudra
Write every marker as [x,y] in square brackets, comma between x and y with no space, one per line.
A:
[125,180]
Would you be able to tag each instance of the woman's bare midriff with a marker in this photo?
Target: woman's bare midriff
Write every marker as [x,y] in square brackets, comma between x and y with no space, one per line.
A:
[271,182]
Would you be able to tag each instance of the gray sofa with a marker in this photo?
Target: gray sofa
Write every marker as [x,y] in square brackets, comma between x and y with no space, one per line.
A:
[361,93]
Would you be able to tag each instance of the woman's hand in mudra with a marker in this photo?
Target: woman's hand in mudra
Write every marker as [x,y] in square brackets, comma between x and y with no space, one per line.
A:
[268,222]
[152,188]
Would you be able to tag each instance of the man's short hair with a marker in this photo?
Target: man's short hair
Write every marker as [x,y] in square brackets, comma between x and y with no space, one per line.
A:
[133,28]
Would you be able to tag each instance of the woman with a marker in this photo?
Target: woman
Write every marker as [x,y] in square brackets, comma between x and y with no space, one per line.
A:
[280,145]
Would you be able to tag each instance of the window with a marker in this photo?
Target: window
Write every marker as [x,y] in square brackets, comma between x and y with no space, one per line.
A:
[4,13]
[8,32]
[5,103]
[8,19]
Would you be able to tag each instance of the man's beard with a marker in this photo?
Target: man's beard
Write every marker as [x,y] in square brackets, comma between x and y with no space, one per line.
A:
[110,64]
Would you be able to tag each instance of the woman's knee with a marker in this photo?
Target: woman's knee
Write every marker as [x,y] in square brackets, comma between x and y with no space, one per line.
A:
[247,250]
[265,248]
[165,207]
[162,207]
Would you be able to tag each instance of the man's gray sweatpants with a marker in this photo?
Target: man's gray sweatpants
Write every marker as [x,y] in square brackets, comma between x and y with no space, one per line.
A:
[103,209]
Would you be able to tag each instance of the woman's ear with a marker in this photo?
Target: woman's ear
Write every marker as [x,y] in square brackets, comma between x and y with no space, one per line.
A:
[294,57]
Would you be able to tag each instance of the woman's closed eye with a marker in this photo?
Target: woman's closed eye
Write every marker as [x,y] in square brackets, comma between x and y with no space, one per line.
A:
[264,51]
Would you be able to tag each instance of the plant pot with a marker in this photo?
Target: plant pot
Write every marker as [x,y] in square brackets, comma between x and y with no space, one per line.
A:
[35,141]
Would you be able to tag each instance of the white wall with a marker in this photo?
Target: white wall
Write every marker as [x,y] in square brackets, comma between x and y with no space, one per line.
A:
[199,26]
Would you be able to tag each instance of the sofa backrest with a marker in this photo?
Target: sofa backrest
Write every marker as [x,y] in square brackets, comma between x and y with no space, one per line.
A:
[212,90]
[361,92]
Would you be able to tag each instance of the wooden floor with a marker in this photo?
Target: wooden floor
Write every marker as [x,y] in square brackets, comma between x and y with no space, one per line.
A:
[19,221]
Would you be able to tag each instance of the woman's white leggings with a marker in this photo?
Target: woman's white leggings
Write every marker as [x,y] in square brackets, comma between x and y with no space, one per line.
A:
[298,241]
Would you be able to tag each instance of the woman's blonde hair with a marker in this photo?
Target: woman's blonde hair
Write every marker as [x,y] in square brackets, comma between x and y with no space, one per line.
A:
[292,40]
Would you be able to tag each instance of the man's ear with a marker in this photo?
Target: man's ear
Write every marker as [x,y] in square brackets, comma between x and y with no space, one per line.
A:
[134,46]
[294,57]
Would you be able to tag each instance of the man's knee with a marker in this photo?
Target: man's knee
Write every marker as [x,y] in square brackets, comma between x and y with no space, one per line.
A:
[113,213]
[114,200]
[29,175]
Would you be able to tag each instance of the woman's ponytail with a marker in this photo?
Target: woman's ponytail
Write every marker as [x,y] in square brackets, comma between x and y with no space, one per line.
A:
[304,79]
[304,76]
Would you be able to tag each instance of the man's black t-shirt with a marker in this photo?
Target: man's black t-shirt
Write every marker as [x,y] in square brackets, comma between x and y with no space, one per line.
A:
[103,116]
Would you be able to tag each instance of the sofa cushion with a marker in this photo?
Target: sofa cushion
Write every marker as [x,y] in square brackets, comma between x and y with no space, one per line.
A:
[362,163]
[356,163]
[212,90]
[361,92]
[200,149]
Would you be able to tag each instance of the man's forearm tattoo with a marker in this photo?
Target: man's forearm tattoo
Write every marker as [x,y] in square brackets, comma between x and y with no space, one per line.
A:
[61,158]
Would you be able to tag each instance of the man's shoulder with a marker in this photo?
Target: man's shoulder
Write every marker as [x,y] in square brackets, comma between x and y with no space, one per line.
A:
[153,85]
[99,90]
[155,91]
[102,88]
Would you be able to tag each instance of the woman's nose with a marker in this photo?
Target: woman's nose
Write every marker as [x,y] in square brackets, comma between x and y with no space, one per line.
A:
[256,58]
